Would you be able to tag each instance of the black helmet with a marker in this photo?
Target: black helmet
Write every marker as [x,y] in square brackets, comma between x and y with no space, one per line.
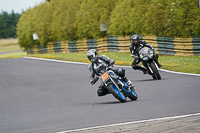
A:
[121,72]
[135,39]
[92,55]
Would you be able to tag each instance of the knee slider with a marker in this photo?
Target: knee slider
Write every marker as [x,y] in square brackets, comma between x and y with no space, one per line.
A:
[134,66]
[101,92]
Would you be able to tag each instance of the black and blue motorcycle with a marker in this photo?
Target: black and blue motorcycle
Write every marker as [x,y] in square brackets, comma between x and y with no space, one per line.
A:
[117,87]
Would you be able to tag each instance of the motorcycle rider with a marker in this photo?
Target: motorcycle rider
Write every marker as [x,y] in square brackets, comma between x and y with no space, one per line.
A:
[135,47]
[99,62]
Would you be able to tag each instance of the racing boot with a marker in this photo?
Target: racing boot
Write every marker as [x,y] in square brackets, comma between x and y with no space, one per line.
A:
[144,70]
[156,60]
[129,83]
[159,65]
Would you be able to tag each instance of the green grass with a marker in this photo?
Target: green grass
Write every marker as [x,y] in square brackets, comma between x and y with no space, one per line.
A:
[187,64]
[13,55]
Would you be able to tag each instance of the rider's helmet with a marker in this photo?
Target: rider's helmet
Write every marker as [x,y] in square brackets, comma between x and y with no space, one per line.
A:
[135,39]
[92,55]
[121,72]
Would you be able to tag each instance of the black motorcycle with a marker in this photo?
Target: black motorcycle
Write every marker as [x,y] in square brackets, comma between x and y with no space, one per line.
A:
[147,57]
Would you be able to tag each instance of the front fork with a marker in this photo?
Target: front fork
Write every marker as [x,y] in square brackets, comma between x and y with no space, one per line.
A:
[150,67]
[111,80]
[123,86]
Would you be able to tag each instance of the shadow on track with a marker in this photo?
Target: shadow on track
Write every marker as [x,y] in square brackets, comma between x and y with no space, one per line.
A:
[143,80]
[114,102]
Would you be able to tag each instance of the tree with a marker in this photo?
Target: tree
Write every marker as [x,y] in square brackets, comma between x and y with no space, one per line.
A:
[2,27]
[90,15]
[8,24]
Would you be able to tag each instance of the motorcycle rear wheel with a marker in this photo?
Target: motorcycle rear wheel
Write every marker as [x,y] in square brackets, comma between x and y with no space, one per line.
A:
[116,93]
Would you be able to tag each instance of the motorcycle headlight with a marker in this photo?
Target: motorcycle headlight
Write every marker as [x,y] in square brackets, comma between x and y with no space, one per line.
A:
[145,58]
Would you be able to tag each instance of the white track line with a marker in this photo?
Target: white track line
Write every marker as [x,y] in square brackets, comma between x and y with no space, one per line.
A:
[135,122]
[53,60]
[192,74]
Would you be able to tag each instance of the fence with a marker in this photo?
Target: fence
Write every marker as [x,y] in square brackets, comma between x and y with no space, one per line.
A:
[163,45]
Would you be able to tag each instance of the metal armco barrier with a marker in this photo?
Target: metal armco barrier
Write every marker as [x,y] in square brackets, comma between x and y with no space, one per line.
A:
[163,45]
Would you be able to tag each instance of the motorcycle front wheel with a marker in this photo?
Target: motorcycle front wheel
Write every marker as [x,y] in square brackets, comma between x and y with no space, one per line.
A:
[132,95]
[156,74]
[116,93]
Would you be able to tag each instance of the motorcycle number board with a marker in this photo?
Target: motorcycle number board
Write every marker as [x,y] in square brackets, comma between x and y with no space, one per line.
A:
[104,76]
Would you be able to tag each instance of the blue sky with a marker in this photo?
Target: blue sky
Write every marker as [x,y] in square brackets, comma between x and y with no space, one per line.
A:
[18,5]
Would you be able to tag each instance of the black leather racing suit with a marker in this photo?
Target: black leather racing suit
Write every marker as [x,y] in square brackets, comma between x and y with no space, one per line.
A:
[96,69]
[135,54]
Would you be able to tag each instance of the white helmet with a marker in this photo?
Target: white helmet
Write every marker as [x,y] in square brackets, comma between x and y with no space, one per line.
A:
[92,55]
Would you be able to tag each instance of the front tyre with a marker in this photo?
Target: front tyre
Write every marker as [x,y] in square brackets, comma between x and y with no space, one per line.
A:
[154,77]
[132,95]
[116,93]
[155,71]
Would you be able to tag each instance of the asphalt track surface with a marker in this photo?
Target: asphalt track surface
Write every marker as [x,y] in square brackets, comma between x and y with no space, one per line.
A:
[45,96]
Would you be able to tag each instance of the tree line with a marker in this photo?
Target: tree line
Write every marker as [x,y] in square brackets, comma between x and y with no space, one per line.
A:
[58,20]
[8,22]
